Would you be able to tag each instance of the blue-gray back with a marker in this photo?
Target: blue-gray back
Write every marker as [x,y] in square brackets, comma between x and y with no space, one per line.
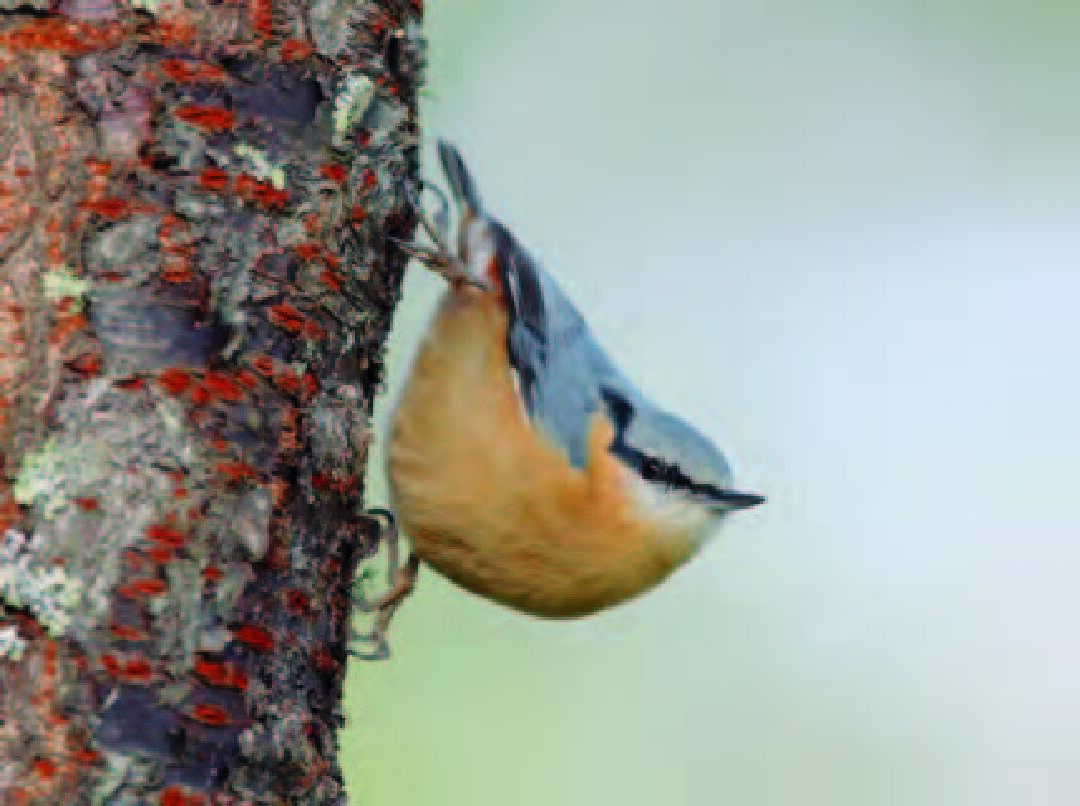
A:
[566,377]
[564,373]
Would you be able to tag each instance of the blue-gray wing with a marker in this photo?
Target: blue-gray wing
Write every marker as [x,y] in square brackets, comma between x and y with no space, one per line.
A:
[564,374]
[566,377]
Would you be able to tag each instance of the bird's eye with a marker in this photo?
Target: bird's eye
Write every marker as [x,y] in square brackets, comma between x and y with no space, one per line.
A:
[652,469]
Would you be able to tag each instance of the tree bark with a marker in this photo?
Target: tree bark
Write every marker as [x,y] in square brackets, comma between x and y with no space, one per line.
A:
[200,209]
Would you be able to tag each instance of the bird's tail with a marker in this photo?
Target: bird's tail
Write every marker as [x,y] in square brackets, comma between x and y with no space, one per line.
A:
[462,186]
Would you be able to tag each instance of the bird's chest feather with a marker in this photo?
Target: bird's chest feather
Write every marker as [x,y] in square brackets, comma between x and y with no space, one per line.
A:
[494,505]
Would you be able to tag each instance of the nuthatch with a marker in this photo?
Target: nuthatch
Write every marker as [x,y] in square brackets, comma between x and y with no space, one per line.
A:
[522,464]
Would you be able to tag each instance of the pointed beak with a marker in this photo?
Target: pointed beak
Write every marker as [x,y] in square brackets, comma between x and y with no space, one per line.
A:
[728,500]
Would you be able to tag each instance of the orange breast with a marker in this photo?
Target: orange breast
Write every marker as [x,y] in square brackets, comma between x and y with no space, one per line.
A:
[493,504]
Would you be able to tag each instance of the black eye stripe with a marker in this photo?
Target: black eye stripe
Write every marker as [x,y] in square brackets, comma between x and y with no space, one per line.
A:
[655,469]
[652,468]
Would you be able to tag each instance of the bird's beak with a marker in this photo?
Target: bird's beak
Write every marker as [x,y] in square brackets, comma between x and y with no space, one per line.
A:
[727,500]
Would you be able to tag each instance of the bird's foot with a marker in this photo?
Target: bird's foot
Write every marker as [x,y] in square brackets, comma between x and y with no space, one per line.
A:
[402,582]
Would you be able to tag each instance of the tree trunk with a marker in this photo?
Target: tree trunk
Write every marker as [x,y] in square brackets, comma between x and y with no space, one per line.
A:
[200,211]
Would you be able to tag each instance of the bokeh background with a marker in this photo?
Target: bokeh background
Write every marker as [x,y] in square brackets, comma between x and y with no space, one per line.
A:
[842,237]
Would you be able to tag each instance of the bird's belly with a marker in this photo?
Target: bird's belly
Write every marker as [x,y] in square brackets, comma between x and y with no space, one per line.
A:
[528,570]
[495,506]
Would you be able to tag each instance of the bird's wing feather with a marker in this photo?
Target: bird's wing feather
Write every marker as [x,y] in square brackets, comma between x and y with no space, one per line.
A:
[565,377]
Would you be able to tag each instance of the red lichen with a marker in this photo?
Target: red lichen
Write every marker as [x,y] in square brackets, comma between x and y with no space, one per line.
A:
[172,796]
[221,674]
[327,482]
[160,554]
[214,179]
[149,586]
[210,714]
[174,380]
[309,386]
[331,279]
[59,35]
[171,225]
[98,167]
[87,757]
[165,535]
[244,185]
[287,382]
[65,327]
[110,664]
[298,602]
[270,197]
[10,513]
[110,207]
[221,386]
[263,364]
[262,17]
[239,680]
[295,50]
[335,173]
[179,796]
[308,251]
[138,671]
[127,591]
[187,72]
[126,632]
[312,224]
[379,23]
[200,395]
[257,638]
[86,365]
[176,32]
[287,318]
[177,273]
[207,118]
[323,659]
[235,471]
[211,672]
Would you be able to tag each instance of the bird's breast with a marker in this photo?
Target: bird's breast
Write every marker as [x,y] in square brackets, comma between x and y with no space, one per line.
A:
[494,505]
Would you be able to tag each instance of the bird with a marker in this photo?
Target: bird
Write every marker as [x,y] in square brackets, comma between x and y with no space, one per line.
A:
[522,464]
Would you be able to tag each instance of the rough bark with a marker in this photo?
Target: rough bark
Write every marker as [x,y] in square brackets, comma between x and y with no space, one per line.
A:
[200,210]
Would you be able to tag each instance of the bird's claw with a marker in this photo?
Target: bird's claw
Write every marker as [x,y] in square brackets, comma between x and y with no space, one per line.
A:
[440,258]
[402,581]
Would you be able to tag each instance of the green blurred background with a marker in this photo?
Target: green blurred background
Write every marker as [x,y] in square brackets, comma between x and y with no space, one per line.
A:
[842,237]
